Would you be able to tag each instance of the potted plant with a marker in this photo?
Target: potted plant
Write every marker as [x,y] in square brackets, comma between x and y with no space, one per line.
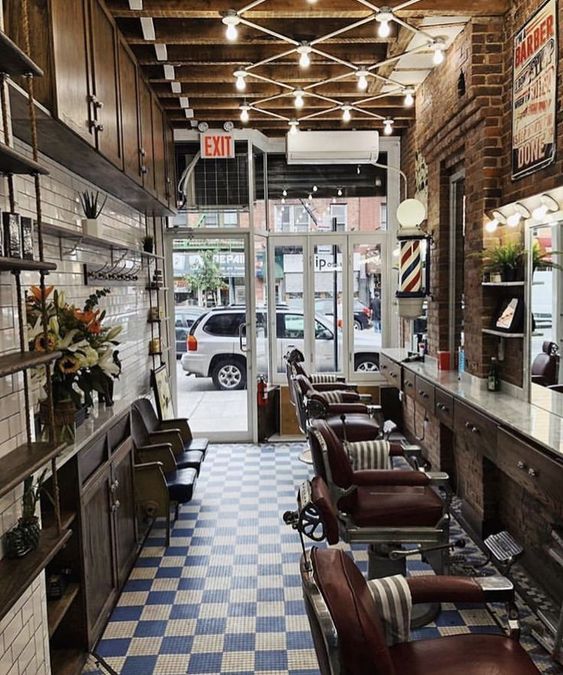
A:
[148,243]
[24,537]
[92,205]
[504,259]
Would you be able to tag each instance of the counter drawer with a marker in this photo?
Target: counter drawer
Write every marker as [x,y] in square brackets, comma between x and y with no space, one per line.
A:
[477,427]
[409,382]
[92,457]
[444,407]
[391,371]
[529,467]
[425,393]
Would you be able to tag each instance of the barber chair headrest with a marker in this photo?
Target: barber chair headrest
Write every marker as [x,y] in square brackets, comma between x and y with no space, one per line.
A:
[549,347]
[294,356]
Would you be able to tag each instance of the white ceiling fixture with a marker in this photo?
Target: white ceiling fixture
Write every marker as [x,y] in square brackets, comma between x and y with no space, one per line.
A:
[147,26]
[388,126]
[184,102]
[169,72]
[384,18]
[438,46]
[409,96]
[240,82]
[161,51]
[304,50]
[136,4]
[293,129]
[362,76]
[244,116]
[189,113]
[231,20]
[299,102]
[176,87]
[346,114]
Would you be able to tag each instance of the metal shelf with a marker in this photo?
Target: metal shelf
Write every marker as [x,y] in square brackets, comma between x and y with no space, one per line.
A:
[14,60]
[500,333]
[502,283]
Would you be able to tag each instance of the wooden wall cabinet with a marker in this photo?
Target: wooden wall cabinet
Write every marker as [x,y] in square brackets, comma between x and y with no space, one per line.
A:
[130,119]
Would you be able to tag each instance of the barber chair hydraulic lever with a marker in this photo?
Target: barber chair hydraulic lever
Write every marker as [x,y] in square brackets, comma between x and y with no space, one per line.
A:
[422,550]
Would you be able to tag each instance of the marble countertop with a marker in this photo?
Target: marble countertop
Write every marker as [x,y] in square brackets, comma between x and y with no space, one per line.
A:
[529,420]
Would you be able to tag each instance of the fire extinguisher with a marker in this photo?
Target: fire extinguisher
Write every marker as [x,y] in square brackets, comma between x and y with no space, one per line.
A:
[261,394]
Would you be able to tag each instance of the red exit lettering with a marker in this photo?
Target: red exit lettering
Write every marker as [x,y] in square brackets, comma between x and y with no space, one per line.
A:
[215,146]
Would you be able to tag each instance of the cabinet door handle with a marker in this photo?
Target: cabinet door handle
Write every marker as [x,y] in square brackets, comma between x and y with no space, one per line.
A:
[144,170]
[409,384]
[474,430]
[116,504]
[142,152]
[521,465]
[114,485]
[532,473]
[100,127]
[467,425]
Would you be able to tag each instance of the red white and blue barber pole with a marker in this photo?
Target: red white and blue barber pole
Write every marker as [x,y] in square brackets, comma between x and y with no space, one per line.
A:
[413,288]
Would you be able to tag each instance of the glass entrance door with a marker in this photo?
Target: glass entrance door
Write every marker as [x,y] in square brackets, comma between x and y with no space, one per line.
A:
[217,339]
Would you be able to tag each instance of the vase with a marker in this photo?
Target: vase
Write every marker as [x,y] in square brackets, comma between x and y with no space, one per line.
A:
[148,246]
[92,227]
[22,538]
[508,273]
[31,531]
[64,418]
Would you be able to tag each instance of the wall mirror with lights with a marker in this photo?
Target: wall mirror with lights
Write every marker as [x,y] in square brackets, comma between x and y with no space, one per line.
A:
[545,318]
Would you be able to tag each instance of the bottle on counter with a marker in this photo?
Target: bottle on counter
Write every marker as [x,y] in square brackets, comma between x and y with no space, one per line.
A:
[493,378]
[460,360]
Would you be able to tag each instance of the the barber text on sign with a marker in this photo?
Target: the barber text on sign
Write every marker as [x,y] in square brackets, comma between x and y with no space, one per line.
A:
[217,145]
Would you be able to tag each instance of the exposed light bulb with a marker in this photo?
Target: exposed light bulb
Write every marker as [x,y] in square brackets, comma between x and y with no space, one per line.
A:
[240,83]
[339,193]
[284,193]
[438,57]
[384,29]
[491,225]
[315,188]
[383,18]
[283,200]
[334,200]
[409,98]
[362,76]
[304,59]
[388,127]
[231,32]
[299,102]
[310,197]
[540,212]
[231,20]
[513,219]
[244,116]
[293,127]
[346,114]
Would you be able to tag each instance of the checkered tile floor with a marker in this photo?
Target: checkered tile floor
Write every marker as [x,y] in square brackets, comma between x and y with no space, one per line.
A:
[225,597]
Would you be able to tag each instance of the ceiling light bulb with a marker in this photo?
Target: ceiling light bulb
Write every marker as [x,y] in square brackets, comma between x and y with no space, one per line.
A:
[409,97]
[438,46]
[240,83]
[244,116]
[310,197]
[388,127]
[283,200]
[346,114]
[293,128]
[362,76]
[339,193]
[383,18]
[231,20]
[304,60]
[284,193]
[299,102]
[513,219]
[491,225]
[438,57]
[334,200]
[315,188]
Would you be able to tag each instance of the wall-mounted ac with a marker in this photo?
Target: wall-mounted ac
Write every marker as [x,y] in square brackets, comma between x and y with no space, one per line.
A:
[333,147]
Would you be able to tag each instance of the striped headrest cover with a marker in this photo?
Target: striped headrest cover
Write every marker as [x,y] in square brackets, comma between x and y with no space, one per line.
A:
[330,396]
[369,454]
[392,597]
[319,378]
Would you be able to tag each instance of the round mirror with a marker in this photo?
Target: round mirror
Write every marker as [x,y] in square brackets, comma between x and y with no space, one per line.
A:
[411,213]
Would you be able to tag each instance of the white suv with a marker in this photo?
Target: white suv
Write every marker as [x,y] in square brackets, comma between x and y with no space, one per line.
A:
[216,345]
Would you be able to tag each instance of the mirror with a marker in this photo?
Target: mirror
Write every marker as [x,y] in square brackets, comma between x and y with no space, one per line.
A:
[545,242]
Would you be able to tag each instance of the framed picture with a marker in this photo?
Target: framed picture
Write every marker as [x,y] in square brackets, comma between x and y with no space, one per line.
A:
[509,316]
[161,386]
[534,92]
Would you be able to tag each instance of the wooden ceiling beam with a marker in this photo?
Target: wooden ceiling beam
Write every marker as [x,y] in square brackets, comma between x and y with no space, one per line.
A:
[392,103]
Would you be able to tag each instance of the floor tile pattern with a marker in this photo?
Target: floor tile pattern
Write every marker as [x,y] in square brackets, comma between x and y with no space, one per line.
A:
[225,597]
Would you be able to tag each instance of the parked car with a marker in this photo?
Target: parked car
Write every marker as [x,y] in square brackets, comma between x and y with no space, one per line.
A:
[216,345]
[184,318]
[362,313]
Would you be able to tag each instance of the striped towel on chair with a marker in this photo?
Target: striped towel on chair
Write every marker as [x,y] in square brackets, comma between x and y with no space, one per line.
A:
[369,454]
[330,396]
[393,600]
[318,378]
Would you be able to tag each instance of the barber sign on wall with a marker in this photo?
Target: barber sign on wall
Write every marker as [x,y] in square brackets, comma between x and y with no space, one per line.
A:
[534,92]
[216,144]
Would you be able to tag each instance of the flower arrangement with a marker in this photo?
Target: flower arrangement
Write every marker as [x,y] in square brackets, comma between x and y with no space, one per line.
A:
[89,360]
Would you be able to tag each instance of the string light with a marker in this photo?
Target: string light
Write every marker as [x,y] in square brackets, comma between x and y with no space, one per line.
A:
[388,126]
[339,193]
[383,18]
[439,46]
[409,97]
[240,83]
[304,50]
[293,127]
[362,76]
[284,193]
[315,188]
[231,20]
[244,116]
[299,102]
[283,200]
[310,197]
[346,114]
[334,200]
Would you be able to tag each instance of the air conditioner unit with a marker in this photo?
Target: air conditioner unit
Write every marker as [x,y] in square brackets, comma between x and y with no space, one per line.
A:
[333,147]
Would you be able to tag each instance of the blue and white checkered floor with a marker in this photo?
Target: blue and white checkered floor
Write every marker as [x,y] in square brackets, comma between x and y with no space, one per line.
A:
[225,597]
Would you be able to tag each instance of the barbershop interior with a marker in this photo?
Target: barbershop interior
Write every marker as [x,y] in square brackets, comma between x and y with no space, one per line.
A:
[281,324]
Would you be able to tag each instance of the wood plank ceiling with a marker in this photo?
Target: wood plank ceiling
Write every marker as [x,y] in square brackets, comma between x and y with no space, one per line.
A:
[186,55]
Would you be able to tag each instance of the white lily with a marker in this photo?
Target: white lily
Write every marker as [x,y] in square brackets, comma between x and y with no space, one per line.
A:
[106,363]
[114,332]
[88,357]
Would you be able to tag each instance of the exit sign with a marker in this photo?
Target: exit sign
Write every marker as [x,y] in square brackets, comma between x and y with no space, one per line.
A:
[217,145]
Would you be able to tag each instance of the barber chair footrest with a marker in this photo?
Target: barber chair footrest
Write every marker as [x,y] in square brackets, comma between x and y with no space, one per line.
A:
[503,547]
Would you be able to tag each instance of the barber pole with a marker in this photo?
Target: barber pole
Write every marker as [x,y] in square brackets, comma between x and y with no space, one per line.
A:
[412,287]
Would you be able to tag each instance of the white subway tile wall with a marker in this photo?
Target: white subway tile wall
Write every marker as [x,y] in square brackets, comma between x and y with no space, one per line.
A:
[24,644]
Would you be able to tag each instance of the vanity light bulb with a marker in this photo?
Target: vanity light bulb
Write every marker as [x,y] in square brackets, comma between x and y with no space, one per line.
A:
[540,212]
[513,220]
[231,33]
[492,225]
[240,83]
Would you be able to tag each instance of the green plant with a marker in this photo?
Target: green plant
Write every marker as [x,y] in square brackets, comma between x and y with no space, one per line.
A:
[543,258]
[502,257]
[90,202]
[206,275]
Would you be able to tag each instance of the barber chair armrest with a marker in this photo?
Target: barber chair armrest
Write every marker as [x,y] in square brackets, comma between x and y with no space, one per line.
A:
[158,453]
[438,478]
[150,488]
[430,588]
[171,437]
[367,399]
[181,425]
[334,386]
[346,408]
[378,477]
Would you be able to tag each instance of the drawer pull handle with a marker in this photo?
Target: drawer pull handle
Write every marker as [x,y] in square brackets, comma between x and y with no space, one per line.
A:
[443,407]
[409,384]
[532,473]
[521,465]
[467,425]
[474,430]
[394,376]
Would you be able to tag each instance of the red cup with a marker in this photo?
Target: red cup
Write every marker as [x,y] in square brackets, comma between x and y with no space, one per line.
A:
[443,360]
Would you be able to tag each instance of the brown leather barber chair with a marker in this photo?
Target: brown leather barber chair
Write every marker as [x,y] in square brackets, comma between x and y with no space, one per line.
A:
[350,638]
[544,366]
